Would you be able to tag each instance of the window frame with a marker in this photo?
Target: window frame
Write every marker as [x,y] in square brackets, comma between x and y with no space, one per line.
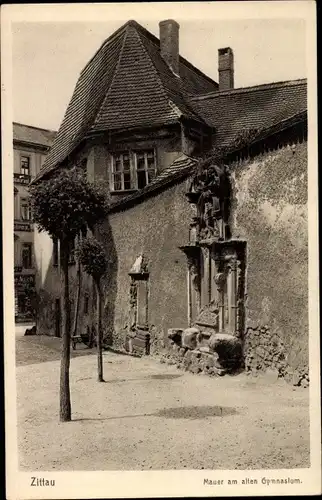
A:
[24,246]
[23,167]
[24,202]
[146,168]
[121,172]
[133,156]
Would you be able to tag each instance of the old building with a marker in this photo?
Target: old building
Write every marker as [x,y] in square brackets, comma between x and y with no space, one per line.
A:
[30,147]
[208,219]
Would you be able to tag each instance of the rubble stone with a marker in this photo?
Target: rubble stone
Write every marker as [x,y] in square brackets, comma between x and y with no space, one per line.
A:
[189,338]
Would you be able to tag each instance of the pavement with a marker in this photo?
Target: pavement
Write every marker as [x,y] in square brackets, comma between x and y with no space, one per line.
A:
[148,415]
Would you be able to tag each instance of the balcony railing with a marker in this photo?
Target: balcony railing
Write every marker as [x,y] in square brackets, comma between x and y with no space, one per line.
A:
[21,178]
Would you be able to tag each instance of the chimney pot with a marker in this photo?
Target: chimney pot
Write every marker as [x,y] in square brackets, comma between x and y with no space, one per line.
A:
[169,43]
[226,68]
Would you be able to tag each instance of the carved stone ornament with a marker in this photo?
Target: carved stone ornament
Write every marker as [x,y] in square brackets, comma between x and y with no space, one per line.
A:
[220,279]
[206,193]
[140,267]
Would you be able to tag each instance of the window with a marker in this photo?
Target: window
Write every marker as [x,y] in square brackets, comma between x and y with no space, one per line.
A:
[15,203]
[25,209]
[27,255]
[145,167]
[25,165]
[133,170]
[121,171]
[22,304]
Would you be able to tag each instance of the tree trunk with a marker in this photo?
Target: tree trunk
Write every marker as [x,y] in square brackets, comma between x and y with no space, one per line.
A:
[99,333]
[65,405]
[79,284]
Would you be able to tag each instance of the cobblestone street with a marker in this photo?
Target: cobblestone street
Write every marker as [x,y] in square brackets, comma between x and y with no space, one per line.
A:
[148,415]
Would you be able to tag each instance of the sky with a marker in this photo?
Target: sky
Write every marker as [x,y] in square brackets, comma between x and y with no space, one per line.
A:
[47,57]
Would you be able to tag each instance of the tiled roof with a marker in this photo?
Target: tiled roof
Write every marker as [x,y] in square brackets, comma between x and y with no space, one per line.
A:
[234,111]
[126,84]
[180,168]
[33,135]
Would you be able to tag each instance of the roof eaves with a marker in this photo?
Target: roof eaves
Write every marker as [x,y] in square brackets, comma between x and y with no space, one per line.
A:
[254,88]
[35,128]
[155,187]
[24,142]
[270,131]
[141,195]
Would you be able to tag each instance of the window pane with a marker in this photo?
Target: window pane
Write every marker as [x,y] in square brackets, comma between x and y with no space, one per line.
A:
[26,256]
[150,159]
[126,162]
[24,212]
[24,165]
[117,182]
[127,181]
[118,164]
[141,179]
[140,161]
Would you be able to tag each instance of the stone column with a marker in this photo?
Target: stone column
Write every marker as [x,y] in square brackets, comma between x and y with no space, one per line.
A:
[232,267]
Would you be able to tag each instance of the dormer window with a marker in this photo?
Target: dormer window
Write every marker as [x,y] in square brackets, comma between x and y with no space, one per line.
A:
[133,170]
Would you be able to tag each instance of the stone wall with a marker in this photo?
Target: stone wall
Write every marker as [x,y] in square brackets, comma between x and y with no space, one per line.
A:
[220,355]
[266,351]
[155,227]
[270,212]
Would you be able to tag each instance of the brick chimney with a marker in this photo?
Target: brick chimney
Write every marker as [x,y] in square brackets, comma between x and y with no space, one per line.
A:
[226,68]
[169,43]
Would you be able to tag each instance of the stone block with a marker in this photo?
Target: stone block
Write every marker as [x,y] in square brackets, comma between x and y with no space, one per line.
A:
[189,338]
[304,383]
[228,348]
[272,374]
[204,349]
[296,379]
[175,335]
[195,368]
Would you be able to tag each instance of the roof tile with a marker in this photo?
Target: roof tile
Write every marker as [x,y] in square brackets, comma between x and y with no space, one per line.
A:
[125,84]
[258,107]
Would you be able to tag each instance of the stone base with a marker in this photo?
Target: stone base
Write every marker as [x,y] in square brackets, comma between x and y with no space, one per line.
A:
[137,342]
[265,351]
[194,361]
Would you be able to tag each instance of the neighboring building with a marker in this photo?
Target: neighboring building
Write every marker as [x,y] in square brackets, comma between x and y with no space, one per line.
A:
[30,147]
[191,241]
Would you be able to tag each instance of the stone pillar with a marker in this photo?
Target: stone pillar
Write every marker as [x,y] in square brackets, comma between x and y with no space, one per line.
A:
[193,289]
[232,267]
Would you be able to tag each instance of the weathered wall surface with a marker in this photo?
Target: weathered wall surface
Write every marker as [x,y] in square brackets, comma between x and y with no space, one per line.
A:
[155,228]
[49,289]
[270,212]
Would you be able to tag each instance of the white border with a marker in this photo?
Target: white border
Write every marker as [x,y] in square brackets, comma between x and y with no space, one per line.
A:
[170,483]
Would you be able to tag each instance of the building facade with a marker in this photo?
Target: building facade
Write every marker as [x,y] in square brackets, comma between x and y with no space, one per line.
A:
[30,147]
[207,232]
